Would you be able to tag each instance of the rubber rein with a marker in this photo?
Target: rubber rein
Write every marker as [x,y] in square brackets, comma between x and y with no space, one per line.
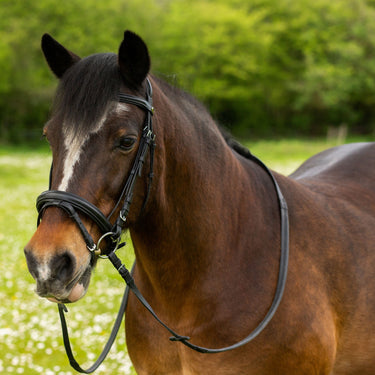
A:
[70,202]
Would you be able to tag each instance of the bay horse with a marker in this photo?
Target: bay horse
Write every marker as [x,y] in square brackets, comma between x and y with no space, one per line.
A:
[206,229]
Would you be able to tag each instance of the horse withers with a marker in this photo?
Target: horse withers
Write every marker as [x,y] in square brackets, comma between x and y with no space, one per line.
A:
[206,229]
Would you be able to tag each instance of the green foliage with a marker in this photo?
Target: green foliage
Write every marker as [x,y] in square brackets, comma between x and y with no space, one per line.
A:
[262,66]
[84,26]
[276,66]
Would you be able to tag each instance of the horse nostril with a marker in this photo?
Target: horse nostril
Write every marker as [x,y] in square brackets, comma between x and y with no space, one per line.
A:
[32,263]
[62,266]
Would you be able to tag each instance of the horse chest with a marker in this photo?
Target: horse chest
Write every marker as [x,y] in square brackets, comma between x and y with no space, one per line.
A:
[152,353]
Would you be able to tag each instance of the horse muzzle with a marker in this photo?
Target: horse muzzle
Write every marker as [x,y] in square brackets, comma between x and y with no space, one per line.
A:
[58,278]
[58,260]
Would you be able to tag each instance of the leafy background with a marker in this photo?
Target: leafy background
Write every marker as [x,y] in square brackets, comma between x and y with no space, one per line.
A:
[263,67]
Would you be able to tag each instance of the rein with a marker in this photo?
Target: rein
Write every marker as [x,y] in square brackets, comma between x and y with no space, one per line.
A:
[283,270]
[71,202]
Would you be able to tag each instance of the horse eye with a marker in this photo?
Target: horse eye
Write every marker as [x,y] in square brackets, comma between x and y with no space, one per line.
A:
[44,137]
[126,143]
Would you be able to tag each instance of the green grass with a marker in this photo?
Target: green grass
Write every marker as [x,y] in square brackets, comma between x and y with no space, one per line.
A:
[286,155]
[30,337]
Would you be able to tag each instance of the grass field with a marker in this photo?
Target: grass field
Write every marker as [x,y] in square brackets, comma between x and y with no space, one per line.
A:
[30,337]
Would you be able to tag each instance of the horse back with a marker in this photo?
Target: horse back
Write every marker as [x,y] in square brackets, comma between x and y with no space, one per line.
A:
[343,167]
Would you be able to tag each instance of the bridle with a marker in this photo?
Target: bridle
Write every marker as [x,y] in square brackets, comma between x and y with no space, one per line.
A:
[72,203]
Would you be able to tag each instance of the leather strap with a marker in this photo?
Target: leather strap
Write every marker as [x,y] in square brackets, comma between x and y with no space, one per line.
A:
[70,202]
[129,280]
[62,309]
[139,102]
[56,197]
[283,271]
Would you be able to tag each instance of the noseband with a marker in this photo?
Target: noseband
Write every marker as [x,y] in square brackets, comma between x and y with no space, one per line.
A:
[71,203]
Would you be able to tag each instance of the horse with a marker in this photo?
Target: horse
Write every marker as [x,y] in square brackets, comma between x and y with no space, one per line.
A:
[205,225]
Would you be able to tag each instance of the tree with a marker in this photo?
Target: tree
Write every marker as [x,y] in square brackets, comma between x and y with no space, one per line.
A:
[262,67]
[84,26]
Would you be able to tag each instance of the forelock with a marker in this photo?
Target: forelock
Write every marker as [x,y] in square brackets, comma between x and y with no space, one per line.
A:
[85,93]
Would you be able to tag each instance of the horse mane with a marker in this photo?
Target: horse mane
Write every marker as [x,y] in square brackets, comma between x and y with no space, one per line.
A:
[185,99]
[234,144]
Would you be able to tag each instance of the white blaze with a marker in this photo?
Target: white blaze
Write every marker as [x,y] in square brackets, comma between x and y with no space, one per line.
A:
[74,145]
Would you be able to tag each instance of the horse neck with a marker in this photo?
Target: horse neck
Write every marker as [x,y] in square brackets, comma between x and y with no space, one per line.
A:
[203,196]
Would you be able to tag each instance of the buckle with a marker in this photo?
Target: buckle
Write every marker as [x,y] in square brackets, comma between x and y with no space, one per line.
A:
[99,251]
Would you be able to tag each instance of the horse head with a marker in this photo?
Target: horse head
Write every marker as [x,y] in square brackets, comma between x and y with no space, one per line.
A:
[95,132]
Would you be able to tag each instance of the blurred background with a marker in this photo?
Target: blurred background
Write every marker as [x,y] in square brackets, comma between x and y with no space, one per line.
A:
[289,78]
[263,67]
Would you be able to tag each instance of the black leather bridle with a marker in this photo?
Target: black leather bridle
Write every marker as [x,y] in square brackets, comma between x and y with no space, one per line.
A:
[72,203]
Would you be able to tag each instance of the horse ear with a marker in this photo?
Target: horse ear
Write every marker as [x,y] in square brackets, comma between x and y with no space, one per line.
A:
[58,57]
[133,59]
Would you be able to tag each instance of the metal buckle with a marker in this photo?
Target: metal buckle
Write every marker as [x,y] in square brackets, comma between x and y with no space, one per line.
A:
[92,249]
[99,250]
[122,217]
